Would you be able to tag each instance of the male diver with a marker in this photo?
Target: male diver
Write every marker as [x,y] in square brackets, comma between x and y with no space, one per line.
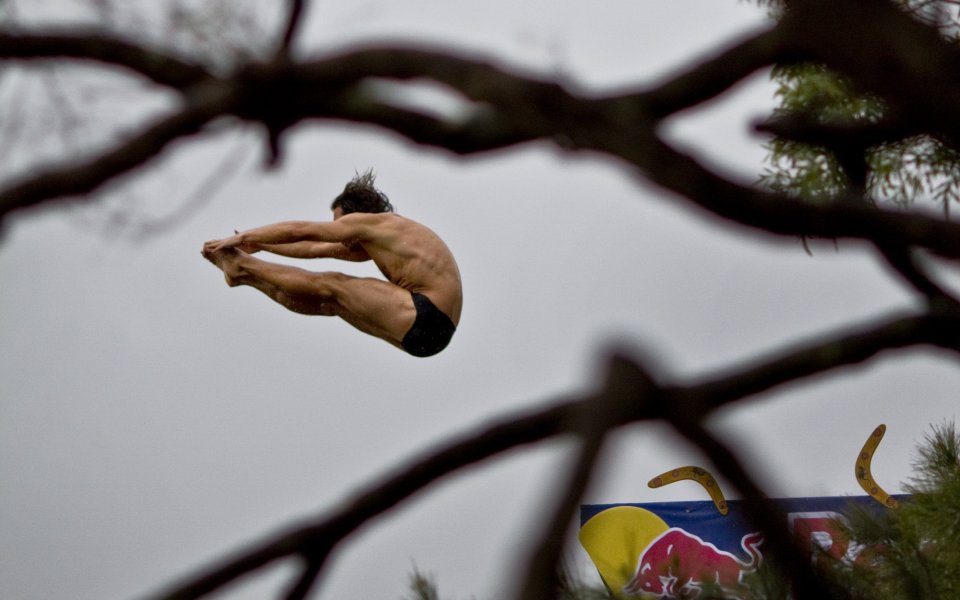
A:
[416,309]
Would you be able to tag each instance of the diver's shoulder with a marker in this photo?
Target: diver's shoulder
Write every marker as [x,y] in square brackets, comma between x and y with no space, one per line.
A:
[368,219]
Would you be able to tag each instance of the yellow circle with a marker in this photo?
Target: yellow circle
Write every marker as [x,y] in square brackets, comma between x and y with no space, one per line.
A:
[614,539]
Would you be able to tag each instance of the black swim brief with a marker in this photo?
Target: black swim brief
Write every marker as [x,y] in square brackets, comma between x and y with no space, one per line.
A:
[432,330]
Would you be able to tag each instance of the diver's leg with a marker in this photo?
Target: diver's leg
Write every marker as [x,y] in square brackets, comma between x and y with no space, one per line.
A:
[291,287]
[374,306]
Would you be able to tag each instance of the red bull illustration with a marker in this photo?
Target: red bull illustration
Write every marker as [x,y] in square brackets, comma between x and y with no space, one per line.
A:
[678,564]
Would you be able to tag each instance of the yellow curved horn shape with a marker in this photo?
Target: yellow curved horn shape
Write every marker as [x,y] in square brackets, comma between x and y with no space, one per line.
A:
[864,476]
[701,476]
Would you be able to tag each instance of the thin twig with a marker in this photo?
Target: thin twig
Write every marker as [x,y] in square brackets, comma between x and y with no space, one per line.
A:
[304,583]
[293,23]
[205,192]
[903,261]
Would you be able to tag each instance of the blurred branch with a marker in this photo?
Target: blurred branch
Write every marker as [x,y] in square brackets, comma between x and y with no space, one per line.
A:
[838,136]
[198,199]
[511,108]
[881,49]
[540,580]
[779,214]
[904,262]
[885,51]
[94,46]
[846,347]
[203,105]
[848,142]
[315,539]
[274,127]
[303,585]
[711,77]
[294,20]
[628,385]
[482,131]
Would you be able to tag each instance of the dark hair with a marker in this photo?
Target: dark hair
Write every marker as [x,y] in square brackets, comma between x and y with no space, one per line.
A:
[361,196]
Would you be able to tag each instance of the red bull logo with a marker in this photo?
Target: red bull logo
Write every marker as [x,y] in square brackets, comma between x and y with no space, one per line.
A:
[678,564]
[680,549]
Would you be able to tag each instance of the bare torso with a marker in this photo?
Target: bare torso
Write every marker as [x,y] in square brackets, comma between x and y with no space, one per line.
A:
[411,256]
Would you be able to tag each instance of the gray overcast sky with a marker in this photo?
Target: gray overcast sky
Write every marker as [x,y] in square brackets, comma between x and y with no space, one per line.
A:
[153,419]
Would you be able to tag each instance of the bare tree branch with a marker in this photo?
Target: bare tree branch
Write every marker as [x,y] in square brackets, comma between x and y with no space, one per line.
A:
[540,581]
[517,108]
[628,383]
[294,20]
[904,262]
[844,348]
[881,50]
[709,78]
[198,199]
[204,104]
[303,585]
[94,46]
[845,218]
[628,387]
[482,131]
[315,539]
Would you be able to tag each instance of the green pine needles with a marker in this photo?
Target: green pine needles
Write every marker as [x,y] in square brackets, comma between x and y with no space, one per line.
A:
[888,165]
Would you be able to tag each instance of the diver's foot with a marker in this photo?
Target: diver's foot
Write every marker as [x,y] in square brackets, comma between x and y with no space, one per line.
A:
[227,260]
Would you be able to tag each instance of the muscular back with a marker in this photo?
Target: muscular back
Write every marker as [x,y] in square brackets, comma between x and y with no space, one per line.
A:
[411,256]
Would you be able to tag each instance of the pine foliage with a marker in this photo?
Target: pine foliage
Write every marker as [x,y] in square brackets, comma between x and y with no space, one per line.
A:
[912,551]
[898,171]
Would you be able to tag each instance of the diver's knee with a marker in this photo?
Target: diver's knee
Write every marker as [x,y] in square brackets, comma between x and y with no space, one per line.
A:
[332,284]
